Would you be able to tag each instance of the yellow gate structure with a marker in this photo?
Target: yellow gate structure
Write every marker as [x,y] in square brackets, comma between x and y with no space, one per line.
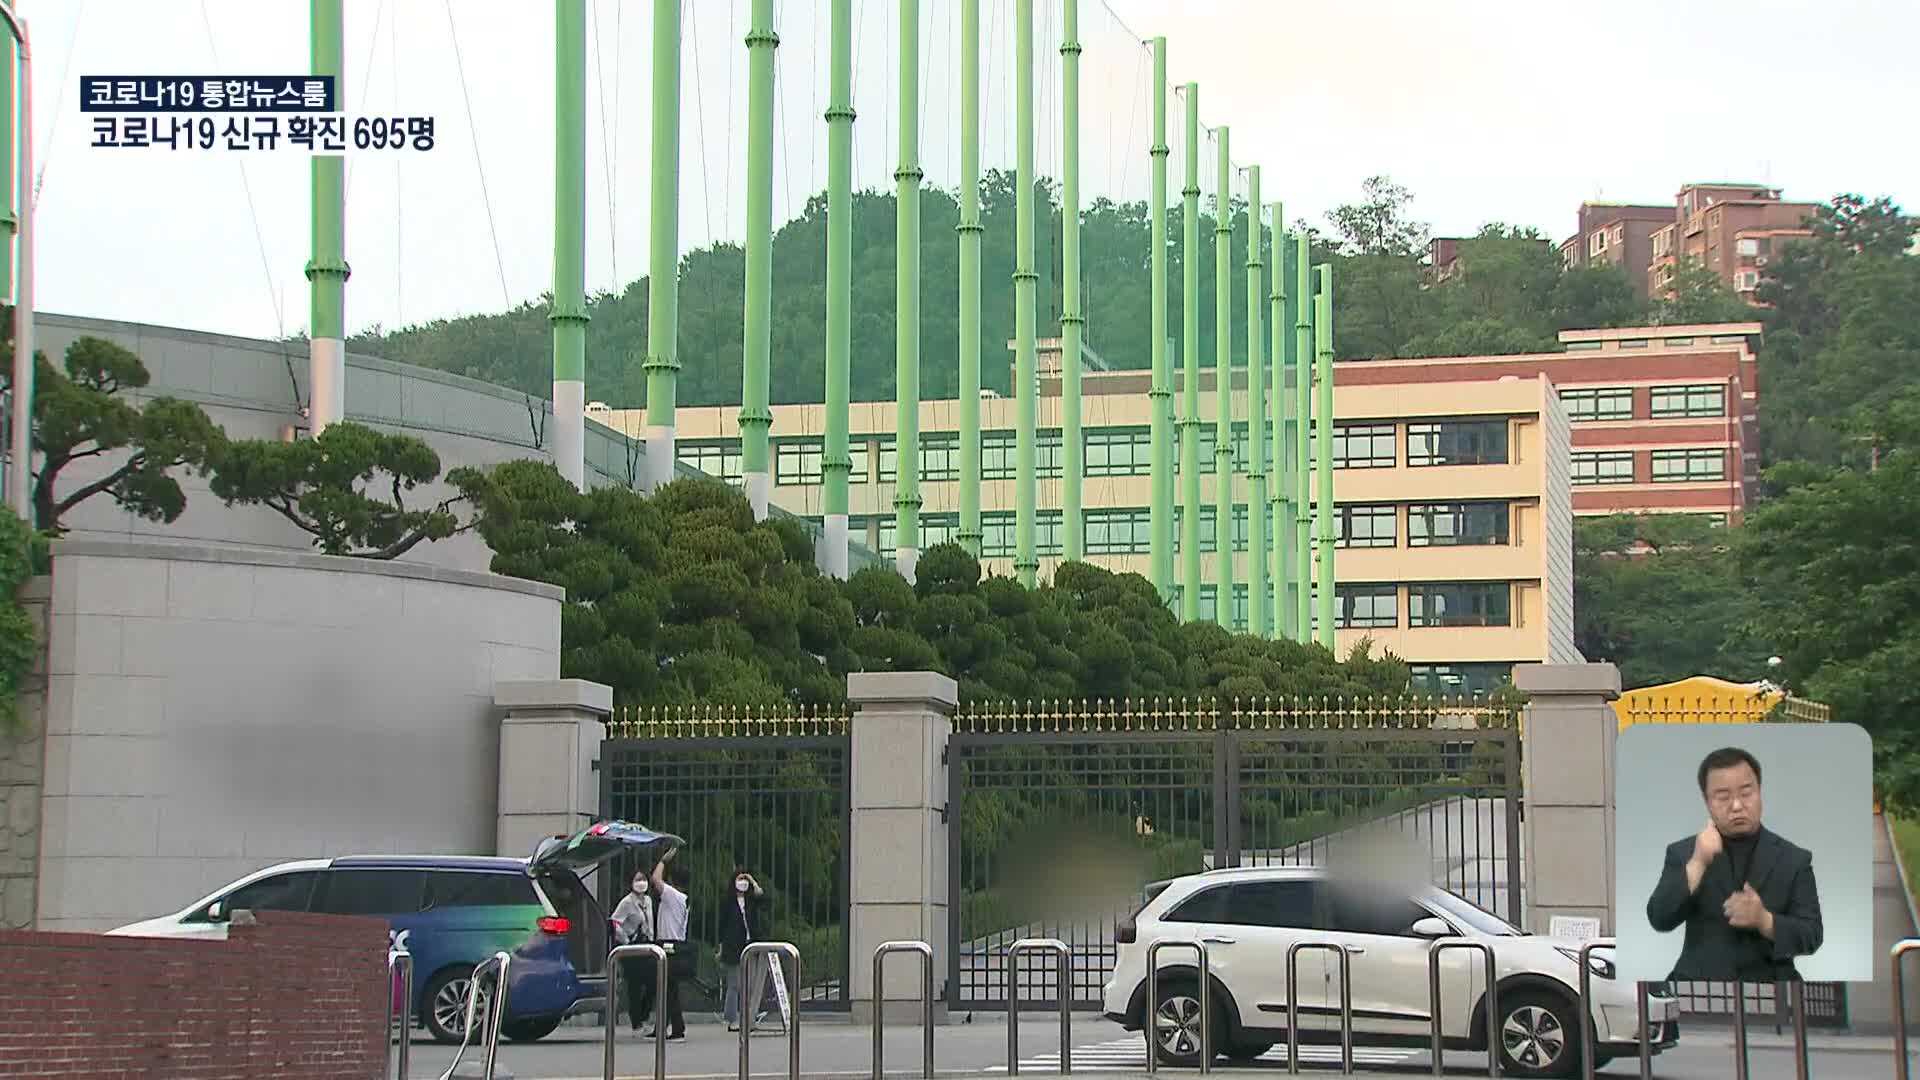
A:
[1704,699]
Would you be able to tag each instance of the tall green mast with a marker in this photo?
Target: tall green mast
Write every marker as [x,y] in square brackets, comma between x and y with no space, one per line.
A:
[835,462]
[1302,434]
[1259,595]
[1284,611]
[1073,443]
[906,341]
[1160,513]
[327,269]
[1190,368]
[1324,509]
[662,365]
[1223,383]
[970,231]
[1026,562]
[756,415]
[568,312]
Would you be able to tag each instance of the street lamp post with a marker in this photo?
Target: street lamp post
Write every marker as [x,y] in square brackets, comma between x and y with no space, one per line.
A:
[20,468]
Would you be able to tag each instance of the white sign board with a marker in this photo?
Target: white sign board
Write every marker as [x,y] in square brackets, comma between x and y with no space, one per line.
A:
[1573,928]
[750,1003]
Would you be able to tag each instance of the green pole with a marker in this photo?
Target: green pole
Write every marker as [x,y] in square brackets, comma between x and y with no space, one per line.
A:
[1302,434]
[663,256]
[1323,513]
[756,417]
[327,270]
[1190,367]
[970,236]
[1283,465]
[1072,442]
[8,72]
[1026,563]
[835,461]
[568,313]
[906,298]
[1161,511]
[1223,383]
[1259,595]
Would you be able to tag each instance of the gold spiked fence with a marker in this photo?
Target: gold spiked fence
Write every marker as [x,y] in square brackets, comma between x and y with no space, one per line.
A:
[1202,714]
[1723,709]
[704,720]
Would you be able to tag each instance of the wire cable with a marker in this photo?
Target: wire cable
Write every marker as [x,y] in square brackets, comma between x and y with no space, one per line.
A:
[606,139]
[246,186]
[59,103]
[479,165]
[700,117]
[366,84]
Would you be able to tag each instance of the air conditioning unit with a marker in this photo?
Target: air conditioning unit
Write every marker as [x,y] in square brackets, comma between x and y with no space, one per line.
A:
[1759,260]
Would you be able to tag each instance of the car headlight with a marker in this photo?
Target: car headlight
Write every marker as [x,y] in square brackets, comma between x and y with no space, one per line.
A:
[1601,966]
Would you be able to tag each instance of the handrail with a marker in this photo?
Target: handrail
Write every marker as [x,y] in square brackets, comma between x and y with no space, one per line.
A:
[747,956]
[1896,957]
[499,963]
[400,961]
[1591,1027]
[1740,1031]
[1797,996]
[1293,1003]
[1644,1020]
[1152,1005]
[880,1002]
[1492,1000]
[1064,957]
[623,952]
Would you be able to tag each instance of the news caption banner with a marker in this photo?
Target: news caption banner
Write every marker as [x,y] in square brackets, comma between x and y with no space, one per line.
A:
[248,113]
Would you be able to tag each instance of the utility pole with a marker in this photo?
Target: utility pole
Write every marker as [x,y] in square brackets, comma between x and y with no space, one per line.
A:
[327,269]
[971,234]
[567,315]
[756,414]
[1259,597]
[1026,563]
[1160,513]
[662,365]
[1190,368]
[1072,441]
[1324,509]
[835,461]
[1303,415]
[906,298]
[1284,611]
[1223,383]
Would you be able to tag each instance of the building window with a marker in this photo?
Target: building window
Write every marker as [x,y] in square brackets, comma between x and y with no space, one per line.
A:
[999,454]
[1635,343]
[1126,531]
[1459,680]
[1690,466]
[1746,280]
[1364,525]
[1209,603]
[1619,234]
[1679,341]
[1597,244]
[859,461]
[1363,446]
[1748,246]
[1727,339]
[1120,452]
[1670,402]
[1718,521]
[1369,607]
[1208,439]
[1457,442]
[1240,607]
[1208,515]
[1584,346]
[1598,403]
[721,460]
[1460,603]
[1000,538]
[1457,524]
[940,456]
[935,529]
[797,464]
[1589,467]
[889,460]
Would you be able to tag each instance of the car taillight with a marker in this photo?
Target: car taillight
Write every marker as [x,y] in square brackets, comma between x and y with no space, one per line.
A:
[1126,933]
[551,924]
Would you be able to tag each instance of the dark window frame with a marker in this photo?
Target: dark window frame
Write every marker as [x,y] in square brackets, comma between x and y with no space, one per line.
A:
[1473,443]
[1346,515]
[1589,404]
[1477,595]
[1597,459]
[1688,406]
[1461,513]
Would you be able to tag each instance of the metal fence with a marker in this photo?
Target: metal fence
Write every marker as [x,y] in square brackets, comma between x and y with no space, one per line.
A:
[763,790]
[1063,811]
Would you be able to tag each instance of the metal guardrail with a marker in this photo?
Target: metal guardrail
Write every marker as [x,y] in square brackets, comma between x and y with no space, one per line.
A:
[626,952]
[1152,1005]
[1293,1003]
[880,954]
[1064,955]
[1592,1026]
[1641,1017]
[400,962]
[791,953]
[1740,1031]
[1797,1000]
[1492,1000]
[1896,957]
[499,964]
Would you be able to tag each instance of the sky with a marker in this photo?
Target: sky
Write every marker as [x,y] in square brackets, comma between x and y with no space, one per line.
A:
[1488,110]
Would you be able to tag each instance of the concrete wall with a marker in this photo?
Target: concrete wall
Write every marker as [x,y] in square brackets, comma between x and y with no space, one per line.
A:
[22,754]
[1556,502]
[214,710]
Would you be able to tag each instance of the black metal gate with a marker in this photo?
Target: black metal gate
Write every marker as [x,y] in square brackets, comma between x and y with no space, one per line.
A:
[1059,815]
[763,792]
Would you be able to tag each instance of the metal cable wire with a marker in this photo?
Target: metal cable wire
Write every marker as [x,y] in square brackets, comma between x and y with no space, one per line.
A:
[246,186]
[366,81]
[59,102]
[453,34]
[606,138]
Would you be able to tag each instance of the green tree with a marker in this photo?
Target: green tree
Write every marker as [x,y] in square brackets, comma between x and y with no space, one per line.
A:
[19,642]
[1698,297]
[81,414]
[1660,597]
[347,489]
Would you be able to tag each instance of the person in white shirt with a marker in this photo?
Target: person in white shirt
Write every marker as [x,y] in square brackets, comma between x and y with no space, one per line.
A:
[633,925]
[670,928]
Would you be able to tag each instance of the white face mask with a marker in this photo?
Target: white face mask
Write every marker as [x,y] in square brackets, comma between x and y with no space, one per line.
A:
[740,885]
[640,887]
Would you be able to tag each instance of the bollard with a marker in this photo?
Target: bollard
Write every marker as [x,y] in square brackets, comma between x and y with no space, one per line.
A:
[498,963]
[1896,956]
[1740,1031]
[748,955]
[1293,998]
[1797,995]
[1592,1033]
[400,961]
[926,1002]
[1064,955]
[624,952]
[1152,1025]
[1646,1036]
[1492,1000]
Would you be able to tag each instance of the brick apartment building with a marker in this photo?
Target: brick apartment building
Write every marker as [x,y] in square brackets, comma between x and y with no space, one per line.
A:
[1731,229]
[1617,234]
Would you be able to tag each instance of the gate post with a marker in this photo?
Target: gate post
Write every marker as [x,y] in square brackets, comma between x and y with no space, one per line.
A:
[1567,760]
[898,851]
[549,741]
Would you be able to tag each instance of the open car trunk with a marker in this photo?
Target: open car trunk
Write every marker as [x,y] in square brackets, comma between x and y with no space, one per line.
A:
[562,863]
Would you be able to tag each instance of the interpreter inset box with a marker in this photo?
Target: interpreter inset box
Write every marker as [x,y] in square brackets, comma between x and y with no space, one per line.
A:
[1744,852]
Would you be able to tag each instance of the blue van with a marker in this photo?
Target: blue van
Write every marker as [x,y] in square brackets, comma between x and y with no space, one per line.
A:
[453,912]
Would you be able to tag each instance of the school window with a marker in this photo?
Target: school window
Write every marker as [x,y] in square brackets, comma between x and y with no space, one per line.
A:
[1584,346]
[1360,446]
[1598,403]
[1209,603]
[1589,467]
[1689,466]
[1727,339]
[1679,341]
[1366,607]
[1000,538]
[1457,603]
[1635,343]
[1119,452]
[1125,531]
[1689,401]
[860,468]
[1364,525]
[940,456]
[1459,680]
[1456,524]
[721,460]
[999,455]
[1208,541]
[934,529]
[796,464]
[1242,448]
[1457,442]
[1240,527]
[1208,440]
[1239,607]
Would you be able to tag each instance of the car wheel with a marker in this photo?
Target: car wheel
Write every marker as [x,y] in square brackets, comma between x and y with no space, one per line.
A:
[1538,1035]
[444,1011]
[530,1030]
[1245,1052]
[1176,1026]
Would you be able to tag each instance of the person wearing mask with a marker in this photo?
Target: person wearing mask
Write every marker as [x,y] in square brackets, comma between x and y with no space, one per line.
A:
[739,926]
[670,924]
[633,925]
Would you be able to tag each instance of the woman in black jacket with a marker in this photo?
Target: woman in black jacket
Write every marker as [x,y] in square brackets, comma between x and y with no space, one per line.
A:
[741,922]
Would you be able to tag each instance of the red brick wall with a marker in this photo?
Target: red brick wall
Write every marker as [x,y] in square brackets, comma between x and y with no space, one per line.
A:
[292,997]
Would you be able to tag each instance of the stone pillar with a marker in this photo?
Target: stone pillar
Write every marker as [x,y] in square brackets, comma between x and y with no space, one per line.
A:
[899,848]
[549,741]
[1567,756]
[22,775]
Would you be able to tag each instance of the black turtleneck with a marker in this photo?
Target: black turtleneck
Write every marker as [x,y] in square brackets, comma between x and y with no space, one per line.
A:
[1739,853]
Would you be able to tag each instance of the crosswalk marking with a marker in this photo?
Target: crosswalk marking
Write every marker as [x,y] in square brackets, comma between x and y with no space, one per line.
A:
[1131,1053]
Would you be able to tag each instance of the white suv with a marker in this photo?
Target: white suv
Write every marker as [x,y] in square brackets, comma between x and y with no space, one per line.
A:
[1249,917]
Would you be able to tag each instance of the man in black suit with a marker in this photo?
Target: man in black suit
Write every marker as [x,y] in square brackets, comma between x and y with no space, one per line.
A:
[1746,895]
